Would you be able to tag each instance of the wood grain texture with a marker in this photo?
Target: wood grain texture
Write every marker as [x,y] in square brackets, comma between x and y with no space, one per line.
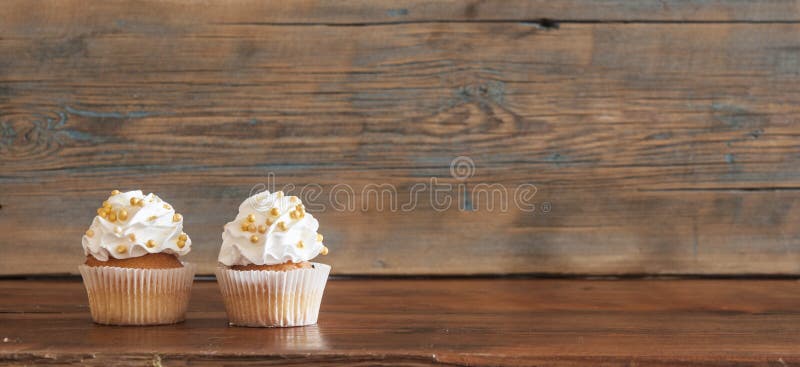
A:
[433,322]
[667,143]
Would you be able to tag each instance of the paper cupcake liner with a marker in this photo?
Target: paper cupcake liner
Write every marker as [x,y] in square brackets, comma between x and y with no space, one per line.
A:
[273,298]
[125,296]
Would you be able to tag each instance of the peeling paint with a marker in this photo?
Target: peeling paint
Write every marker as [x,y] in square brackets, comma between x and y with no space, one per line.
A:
[112,115]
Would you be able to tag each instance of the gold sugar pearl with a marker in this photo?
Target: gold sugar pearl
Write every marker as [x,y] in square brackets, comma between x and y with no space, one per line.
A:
[152,218]
[177,217]
[103,215]
[121,249]
[253,238]
[262,228]
[183,237]
[122,214]
[107,210]
[167,207]
[319,237]
[132,237]
[299,207]
[112,217]
[324,250]
[106,204]
[282,226]
[269,222]
[293,199]
[294,214]
[300,244]
[251,218]
[135,201]
[251,228]
[279,194]
[181,244]
[301,214]
[114,192]
[89,233]
[274,212]
[100,211]
[151,243]
[244,226]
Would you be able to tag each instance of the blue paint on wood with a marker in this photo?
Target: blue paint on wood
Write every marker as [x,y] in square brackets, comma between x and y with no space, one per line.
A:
[467,204]
[397,12]
[111,115]
[729,158]
[80,135]
[557,159]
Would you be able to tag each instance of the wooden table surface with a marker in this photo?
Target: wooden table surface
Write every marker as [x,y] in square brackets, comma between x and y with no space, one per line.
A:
[433,322]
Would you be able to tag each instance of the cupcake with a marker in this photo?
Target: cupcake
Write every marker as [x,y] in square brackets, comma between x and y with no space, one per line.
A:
[264,273]
[132,273]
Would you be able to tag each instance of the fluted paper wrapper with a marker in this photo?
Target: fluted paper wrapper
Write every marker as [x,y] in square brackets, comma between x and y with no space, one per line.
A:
[263,298]
[125,296]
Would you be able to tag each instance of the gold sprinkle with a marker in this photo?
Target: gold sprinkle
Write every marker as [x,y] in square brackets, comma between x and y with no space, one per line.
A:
[253,238]
[251,218]
[244,226]
[135,201]
[177,217]
[121,249]
[114,192]
[251,228]
[279,194]
[183,237]
[89,233]
[274,212]
[152,218]
[106,204]
[269,221]
[293,199]
[132,237]
[181,244]
[103,214]
[300,244]
[299,207]
[107,210]
[319,237]
[122,214]
[141,203]
[282,226]
[151,243]
[100,211]
[302,214]
[262,228]
[324,250]
[294,214]
[167,207]
[112,217]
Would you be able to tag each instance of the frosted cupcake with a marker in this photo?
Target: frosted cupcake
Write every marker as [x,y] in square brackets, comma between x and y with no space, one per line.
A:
[265,274]
[132,273]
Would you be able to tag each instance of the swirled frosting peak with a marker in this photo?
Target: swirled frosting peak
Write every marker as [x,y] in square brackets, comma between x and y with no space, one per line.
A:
[130,224]
[271,229]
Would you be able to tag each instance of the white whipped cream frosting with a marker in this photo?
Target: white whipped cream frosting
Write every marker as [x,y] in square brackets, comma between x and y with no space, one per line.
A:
[295,240]
[150,227]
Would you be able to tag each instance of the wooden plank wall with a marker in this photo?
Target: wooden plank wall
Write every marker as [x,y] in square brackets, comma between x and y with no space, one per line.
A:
[662,136]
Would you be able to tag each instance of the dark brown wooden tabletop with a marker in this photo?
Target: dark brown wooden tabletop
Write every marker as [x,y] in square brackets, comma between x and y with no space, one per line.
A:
[469,322]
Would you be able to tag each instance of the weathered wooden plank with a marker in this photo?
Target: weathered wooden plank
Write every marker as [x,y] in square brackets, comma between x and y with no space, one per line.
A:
[61,15]
[661,148]
[441,322]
